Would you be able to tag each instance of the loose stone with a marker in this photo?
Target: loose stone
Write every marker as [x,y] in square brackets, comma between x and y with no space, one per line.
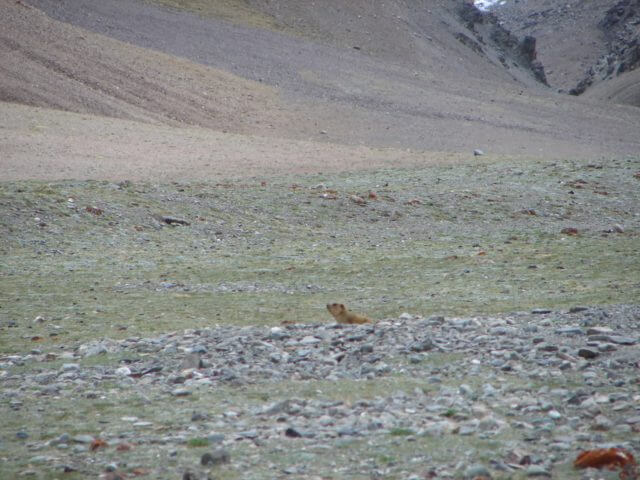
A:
[217,457]
[588,353]
[180,392]
[477,471]
[538,471]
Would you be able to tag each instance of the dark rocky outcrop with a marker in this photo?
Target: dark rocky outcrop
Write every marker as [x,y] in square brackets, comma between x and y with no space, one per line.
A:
[621,28]
[514,51]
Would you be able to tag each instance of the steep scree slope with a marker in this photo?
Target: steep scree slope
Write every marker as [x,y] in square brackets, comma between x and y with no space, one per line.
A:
[420,78]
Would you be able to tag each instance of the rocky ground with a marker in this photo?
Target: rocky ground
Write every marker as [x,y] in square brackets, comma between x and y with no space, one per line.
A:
[189,184]
[583,44]
[511,396]
[147,328]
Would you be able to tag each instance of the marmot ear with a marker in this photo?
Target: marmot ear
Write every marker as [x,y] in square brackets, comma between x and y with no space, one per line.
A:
[342,306]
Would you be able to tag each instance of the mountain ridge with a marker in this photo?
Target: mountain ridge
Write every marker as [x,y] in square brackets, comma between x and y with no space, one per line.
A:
[219,75]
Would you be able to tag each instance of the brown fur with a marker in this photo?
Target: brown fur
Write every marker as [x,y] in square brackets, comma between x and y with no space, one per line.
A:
[342,315]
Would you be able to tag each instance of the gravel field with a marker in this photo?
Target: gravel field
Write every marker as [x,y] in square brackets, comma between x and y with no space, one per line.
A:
[147,328]
[512,396]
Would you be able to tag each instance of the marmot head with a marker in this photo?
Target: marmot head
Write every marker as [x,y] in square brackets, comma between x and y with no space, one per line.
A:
[336,308]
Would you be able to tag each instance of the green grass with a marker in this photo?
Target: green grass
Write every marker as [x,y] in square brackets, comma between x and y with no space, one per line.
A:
[235,11]
[198,442]
[401,432]
[263,255]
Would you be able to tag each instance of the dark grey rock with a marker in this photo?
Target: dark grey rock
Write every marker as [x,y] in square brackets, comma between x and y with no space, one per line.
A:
[577,309]
[295,432]
[415,359]
[198,417]
[366,348]
[547,347]
[217,457]
[598,338]
[422,346]
[198,349]
[588,353]
[189,475]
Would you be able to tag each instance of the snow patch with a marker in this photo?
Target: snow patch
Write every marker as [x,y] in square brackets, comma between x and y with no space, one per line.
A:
[486,4]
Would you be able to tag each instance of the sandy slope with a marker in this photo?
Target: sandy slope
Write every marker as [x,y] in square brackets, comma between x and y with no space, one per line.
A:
[624,89]
[52,145]
[298,103]
[49,63]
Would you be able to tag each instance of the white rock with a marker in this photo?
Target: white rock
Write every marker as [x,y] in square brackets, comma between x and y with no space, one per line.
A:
[309,340]
[142,424]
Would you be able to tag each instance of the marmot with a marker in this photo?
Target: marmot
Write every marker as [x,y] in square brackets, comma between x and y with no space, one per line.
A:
[342,315]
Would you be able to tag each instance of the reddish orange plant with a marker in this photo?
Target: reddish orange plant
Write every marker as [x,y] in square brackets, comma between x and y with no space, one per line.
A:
[611,458]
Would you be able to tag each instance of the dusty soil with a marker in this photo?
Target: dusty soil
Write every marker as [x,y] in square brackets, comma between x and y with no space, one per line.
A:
[439,97]
[51,145]
[623,90]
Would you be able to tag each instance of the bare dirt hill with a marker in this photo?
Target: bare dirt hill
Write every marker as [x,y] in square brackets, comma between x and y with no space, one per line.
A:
[49,144]
[52,64]
[287,75]
[623,89]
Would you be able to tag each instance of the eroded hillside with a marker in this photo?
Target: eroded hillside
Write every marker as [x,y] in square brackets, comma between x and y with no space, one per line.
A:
[424,77]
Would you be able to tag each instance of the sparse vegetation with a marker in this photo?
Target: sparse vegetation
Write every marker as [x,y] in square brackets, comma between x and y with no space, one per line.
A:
[432,242]
[198,442]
